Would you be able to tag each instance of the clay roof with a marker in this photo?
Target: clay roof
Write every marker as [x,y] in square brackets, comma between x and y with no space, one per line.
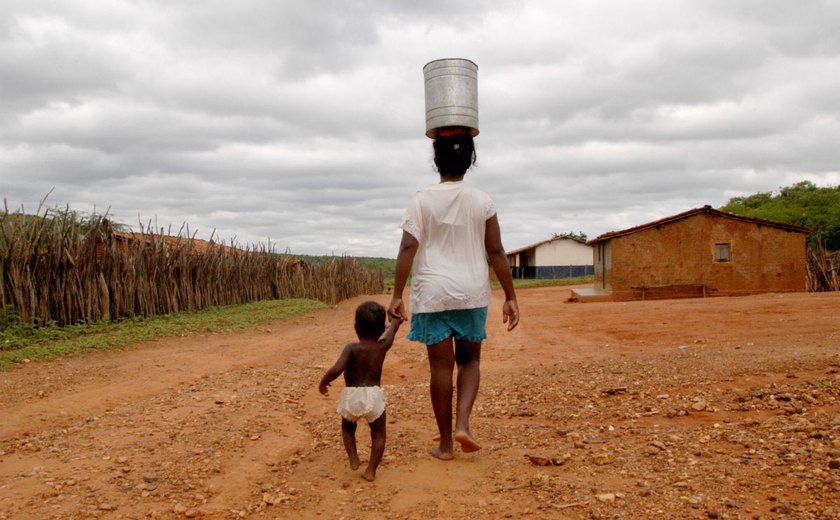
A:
[552,239]
[697,211]
[199,245]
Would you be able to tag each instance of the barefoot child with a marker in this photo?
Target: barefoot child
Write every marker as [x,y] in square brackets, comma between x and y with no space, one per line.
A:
[361,364]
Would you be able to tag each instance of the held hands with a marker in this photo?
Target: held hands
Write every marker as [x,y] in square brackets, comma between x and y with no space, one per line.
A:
[510,314]
[397,310]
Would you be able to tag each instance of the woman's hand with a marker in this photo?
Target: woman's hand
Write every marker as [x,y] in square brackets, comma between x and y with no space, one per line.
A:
[397,310]
[510,314]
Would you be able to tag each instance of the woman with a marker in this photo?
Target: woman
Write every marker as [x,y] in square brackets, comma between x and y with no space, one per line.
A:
[447,230]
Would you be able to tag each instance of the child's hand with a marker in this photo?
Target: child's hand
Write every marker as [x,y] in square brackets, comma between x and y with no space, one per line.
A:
[324,389]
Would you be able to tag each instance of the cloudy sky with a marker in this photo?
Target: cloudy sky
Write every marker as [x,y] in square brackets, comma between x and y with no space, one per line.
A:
[301,124]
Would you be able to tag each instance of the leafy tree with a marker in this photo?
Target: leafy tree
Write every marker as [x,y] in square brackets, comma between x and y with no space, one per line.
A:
[579,235]
[802,204]
[85,221]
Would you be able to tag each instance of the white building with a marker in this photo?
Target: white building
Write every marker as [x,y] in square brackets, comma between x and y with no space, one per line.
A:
[557,257]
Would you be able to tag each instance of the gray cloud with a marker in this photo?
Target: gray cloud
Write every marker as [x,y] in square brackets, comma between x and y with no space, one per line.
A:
[303,124]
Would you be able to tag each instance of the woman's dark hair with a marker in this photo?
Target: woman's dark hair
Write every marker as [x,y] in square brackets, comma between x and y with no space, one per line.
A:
[454,154]
[370,320]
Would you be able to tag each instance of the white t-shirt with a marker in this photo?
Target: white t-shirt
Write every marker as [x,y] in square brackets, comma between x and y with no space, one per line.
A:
[450,267]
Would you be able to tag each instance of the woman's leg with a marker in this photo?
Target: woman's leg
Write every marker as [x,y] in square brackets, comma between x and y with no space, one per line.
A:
[441,366]
[468,357]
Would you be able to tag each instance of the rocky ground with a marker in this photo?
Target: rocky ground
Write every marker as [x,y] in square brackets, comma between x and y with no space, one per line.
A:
[704,408]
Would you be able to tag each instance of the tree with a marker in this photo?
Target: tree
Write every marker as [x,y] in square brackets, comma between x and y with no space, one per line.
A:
[802,204]
[83,220]
[579,235]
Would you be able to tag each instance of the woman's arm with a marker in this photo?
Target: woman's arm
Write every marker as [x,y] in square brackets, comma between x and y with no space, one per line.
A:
[405,257]
[498,261]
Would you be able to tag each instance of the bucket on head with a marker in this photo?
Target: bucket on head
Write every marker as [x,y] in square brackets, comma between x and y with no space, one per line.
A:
[451,95]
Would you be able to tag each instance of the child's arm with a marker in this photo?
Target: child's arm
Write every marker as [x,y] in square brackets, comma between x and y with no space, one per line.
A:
[334,371]
[387,339]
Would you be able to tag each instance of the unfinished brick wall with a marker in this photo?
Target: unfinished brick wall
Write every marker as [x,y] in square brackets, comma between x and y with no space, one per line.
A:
[678,259]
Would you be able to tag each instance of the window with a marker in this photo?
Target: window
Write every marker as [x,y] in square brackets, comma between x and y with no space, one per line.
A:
[723,252]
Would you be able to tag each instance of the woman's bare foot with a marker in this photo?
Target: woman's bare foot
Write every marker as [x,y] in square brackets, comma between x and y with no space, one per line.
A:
[369,475]
[468,444]
[355,463]
[442,455]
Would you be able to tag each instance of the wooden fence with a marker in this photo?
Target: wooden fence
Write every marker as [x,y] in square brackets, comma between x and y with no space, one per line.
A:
[823,269]
[54,271]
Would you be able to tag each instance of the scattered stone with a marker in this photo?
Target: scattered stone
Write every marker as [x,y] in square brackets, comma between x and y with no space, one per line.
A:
[149,477]
[615,391]
[603,458]
[105,506]
[279,498]
[608,498]
[548,461]
[834,464]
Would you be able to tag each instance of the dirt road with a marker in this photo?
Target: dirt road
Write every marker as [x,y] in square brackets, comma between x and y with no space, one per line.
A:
[706,408]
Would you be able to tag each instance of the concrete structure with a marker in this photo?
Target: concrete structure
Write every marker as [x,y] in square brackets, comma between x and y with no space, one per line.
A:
[701,252]
[557,257]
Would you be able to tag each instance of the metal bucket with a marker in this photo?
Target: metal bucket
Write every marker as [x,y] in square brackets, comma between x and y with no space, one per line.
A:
[451,95]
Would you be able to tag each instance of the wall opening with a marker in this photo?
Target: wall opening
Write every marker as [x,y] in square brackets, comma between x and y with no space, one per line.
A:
[723,252]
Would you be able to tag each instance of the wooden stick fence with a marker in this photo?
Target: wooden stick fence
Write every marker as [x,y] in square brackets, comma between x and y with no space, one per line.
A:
[53,271]
[823,269]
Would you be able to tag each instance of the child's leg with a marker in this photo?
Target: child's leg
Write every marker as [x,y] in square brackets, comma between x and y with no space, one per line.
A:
[468,357]
[348,434]
[441,365]
[377,447]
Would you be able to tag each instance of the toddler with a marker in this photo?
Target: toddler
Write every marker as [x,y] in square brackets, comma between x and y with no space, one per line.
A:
[362,397]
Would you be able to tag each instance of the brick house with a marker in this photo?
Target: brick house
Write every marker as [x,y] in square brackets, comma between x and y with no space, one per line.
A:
[701,252]
[557,257]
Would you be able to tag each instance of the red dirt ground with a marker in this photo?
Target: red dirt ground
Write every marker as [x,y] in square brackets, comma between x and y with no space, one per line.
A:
[705,408]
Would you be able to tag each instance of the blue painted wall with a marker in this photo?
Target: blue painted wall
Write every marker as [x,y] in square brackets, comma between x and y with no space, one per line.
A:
[547,272]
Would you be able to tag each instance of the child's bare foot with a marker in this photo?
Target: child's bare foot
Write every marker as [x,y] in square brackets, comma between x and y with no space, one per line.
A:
[369,475]
[355,463]
[468,444]
[442,455]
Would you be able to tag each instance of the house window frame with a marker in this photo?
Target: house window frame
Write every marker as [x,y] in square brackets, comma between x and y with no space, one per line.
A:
[723,252]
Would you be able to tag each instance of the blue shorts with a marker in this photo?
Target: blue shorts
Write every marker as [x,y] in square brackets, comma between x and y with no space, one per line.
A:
[434,327]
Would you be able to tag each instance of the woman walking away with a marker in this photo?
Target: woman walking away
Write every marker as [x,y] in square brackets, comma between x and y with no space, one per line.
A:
[448,229]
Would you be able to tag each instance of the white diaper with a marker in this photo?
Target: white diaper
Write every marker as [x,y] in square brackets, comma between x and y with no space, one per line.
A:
[356,402]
